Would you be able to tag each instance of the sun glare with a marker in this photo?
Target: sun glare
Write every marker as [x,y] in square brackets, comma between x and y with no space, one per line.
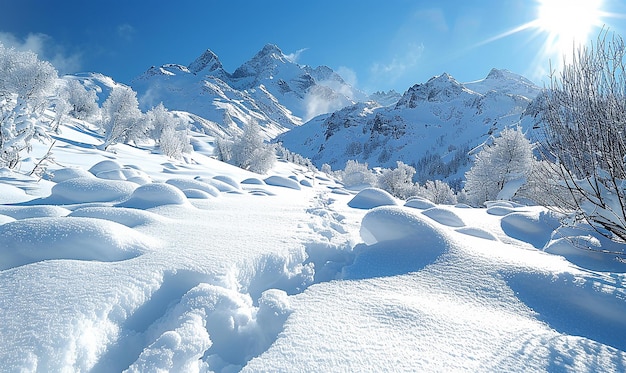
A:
[567,23]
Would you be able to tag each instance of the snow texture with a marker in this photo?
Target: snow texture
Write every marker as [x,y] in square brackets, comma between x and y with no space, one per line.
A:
[204,267]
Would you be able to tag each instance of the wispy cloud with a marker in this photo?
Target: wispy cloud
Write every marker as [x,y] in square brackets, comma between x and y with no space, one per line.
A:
[399,64]
[295,56]
[46,49]
[348,75]
[126,31]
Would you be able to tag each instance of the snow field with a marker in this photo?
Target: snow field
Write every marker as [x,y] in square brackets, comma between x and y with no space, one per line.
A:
[103,274]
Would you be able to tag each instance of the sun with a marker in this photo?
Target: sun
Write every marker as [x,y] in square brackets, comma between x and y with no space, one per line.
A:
[567,24]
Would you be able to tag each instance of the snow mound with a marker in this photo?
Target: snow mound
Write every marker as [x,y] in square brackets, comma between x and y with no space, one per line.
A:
[197,194]
[477,232]
[5,219]
[68,173]
[499,203]
[228,180]
[443,216]
[33,240]
[588,249]
[253,181]
[534,227]
[125,216]
[306,183]
[86,189]
[419,203]
[370,198]
[221,186]
[585,253]
[183,184]
[398,241]
[106,165]
[111,175]
[500,210]
[153,195]
[391,223]
[281,181]
[40,211]
[12,194]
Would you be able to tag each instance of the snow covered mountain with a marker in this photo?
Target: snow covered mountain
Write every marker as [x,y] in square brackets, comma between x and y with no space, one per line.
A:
[433,126]
[269,88]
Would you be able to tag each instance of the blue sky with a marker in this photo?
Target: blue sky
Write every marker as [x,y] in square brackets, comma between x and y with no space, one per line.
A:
[375,45]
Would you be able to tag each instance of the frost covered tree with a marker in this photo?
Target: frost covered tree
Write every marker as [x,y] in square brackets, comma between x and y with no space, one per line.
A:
[170,132]
[439,192]
[248,151]
[122,121]
[357,174]
[398,181]
[501,168]
[25,83]
[583,117]
[83,102]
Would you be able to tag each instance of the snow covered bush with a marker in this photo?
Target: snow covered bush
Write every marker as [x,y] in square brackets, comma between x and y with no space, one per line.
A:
[169,132]
[248,151]
[122,121]
[439,192]
[583,118]
[398,181]
[500,168]
[357,174]
[83,102]
[25,83]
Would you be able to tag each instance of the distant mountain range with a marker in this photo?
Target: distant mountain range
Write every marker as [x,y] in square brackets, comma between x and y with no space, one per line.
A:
[314,112]
[433,126]
[269,88]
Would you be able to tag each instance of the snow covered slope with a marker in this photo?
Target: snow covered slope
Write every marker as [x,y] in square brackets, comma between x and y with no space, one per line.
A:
[432,126]
[269,88]
[126,260]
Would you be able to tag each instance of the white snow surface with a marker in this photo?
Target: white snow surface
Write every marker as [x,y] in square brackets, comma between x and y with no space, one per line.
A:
[278,273]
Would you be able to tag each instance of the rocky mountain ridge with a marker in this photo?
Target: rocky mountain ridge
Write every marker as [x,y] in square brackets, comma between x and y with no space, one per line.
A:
[433,126]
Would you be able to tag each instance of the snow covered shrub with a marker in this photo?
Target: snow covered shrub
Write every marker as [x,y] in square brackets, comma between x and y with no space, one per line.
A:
[327,169]
[25,83]
[174,141]
[583,118]
[357,174]
[247,151]
[83,102]
[169,132]
[294,158]
[501,168]
[439,192]
[122,121]
[398,181]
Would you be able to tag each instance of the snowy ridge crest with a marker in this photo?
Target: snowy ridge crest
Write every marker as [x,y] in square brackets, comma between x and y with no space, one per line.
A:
[270,89]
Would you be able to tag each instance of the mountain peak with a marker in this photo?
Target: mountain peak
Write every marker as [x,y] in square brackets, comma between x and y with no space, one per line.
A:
[505,81]
[437,89]
[263,63]
[207,61]
[270,50]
